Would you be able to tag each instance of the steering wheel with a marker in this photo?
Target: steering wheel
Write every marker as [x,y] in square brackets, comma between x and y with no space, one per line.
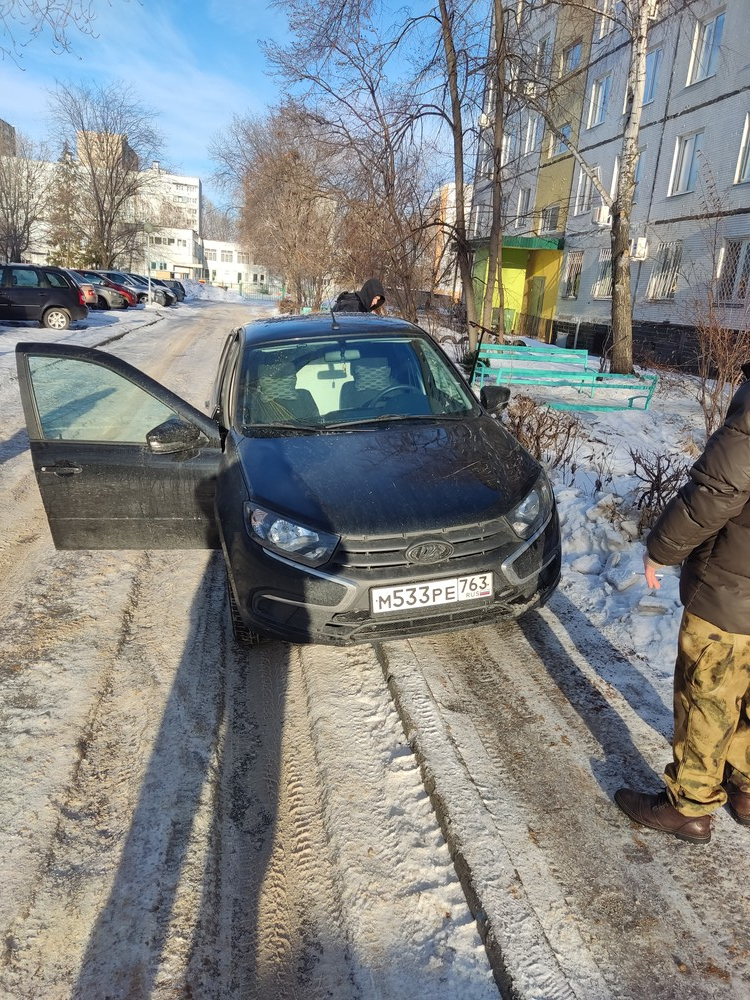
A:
[393,388]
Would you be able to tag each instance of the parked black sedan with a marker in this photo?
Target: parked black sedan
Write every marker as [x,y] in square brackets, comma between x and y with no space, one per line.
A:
[47,295]
[357,488]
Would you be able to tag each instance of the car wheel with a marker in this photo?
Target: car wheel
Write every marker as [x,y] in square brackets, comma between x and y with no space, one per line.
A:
[242,634]
[102,303]
[56,319]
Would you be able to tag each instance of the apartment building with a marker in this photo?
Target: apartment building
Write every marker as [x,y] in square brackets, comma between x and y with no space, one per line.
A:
[227,265]
[691,214]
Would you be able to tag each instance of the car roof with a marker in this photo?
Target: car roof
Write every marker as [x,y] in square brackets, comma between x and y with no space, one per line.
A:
[323,326]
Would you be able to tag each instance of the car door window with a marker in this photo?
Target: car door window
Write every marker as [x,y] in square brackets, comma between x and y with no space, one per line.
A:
[227,384]
[80,401]
[23,277]
[55,279]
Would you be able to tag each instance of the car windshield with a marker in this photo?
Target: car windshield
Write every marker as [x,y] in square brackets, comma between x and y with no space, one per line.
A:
[346,381]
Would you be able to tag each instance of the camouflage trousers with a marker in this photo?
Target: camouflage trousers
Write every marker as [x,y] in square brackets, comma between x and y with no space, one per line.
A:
[711,717]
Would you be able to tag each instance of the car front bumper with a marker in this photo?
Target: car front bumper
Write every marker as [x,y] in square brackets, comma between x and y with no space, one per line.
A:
[283,600]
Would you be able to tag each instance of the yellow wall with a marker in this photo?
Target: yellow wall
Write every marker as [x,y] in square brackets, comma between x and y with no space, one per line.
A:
[514,279]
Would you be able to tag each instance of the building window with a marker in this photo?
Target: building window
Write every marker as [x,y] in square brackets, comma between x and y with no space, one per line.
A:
[571,58]
[550,219]
[663,281]
[653,62]
[210,254]
[602,287]
[560,141]
[584,192]
[742,175]
[243,258]
[572,274]
[734,278]
[706,45]
[686,164]
[524,203]
[606,20]
[599,100]
[227,256]
[534,133]
[541,62]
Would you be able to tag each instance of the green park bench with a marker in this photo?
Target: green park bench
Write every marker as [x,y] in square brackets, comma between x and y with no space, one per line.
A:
[558,367]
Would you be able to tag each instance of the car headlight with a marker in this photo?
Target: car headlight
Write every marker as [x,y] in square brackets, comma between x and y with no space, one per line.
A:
[533,510]
[295,541]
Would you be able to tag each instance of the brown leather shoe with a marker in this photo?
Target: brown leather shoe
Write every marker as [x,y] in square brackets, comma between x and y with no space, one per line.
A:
[739,804]
[658,813]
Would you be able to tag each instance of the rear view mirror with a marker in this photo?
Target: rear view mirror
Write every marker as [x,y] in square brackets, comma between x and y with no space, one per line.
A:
[494,397]
[175,435]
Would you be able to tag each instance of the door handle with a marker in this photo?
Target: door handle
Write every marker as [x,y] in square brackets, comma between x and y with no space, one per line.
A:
[62,469]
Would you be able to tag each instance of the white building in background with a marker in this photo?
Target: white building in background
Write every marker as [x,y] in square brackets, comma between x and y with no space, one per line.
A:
[227,265]
[173,199]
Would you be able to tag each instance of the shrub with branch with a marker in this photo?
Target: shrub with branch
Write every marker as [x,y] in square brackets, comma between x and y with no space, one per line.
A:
[662,475]
[551,436]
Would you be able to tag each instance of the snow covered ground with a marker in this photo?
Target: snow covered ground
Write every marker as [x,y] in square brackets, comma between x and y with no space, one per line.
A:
[509,724]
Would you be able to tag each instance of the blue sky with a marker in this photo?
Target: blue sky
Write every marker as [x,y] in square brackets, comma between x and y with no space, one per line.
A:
[195,63]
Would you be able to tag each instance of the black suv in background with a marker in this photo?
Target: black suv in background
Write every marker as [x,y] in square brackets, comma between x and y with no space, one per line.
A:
[41,293]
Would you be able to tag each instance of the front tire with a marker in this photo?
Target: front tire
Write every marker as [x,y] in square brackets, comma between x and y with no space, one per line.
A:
[56,319]
[242,634]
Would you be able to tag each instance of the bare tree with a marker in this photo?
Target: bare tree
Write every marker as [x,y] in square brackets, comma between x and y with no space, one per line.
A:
[217,223]
[114,133]
[23,197]
[288,219]
[22,21]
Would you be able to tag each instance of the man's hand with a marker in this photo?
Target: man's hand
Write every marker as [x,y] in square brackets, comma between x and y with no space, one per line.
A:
[650,568]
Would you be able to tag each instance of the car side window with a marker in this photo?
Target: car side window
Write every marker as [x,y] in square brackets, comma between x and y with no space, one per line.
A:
[56,280]
[22,277]
[82,401]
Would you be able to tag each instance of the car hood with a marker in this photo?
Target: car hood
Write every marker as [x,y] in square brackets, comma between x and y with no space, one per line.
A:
[401,477]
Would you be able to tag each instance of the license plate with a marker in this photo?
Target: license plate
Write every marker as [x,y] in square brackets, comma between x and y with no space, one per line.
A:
[431,593]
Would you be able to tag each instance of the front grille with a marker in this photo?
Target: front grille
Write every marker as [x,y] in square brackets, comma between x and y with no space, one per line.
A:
[363,552]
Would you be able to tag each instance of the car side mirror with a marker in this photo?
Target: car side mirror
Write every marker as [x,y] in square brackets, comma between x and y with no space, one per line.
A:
[175,435]
[494,397]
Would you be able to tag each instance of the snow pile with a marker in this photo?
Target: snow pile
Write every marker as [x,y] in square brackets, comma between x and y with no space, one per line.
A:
[200,290]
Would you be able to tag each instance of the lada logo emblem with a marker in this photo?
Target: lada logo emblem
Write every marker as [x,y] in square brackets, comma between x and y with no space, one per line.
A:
[428,552]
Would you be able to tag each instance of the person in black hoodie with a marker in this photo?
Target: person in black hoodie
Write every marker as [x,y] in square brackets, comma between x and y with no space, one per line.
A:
[706,530]
[369,298]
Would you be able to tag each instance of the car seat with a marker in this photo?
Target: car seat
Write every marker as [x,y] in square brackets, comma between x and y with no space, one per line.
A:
[275,396]
[371,377]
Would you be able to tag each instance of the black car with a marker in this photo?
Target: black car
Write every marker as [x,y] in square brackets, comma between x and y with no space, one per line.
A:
[357,488]
[176,286]
[41,293]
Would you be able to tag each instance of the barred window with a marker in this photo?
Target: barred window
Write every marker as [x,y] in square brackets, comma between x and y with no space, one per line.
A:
[572,274]
[602,287]
[663,281]
[734,279]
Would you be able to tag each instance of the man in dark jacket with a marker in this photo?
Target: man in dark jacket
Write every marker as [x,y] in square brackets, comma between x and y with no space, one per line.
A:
[369,298]
[706,527]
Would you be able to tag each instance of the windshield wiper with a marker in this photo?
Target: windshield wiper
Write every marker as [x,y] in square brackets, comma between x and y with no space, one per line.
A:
[303,428]
[383,417]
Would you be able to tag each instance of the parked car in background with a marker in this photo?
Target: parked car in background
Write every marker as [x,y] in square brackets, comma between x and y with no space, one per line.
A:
[109,295]
[163,295]
[41,293]
[89,292]
[357,488]
[177,287]
[138,286]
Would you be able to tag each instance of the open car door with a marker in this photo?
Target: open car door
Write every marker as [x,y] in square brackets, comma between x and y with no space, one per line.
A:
[121,462]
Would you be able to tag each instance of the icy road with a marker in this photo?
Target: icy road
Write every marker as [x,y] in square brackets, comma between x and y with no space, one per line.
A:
[183,819]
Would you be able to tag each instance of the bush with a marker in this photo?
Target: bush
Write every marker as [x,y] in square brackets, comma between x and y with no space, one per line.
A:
[552,436]
[288,306]
[662,475]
